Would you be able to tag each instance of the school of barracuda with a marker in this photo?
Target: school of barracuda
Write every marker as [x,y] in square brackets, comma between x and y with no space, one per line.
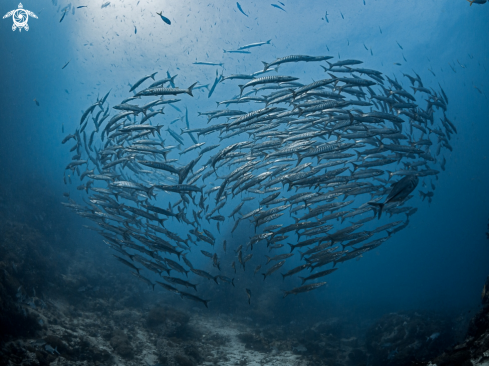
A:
[337,141]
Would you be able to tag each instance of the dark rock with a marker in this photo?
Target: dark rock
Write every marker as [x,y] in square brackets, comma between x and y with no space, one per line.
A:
[476,343]
[120,343]
[357,358]
[58,344]
[160,315]
[254,342]
[194,352]
[184,361]
[404,338]
[100,355]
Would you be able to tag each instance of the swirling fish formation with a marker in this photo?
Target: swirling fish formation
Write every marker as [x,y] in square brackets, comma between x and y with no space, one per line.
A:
[337,142]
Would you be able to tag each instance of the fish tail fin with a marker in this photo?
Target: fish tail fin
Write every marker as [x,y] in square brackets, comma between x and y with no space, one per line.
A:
[153,284]
[241,87]
[160,13]
[302,279]
[330,66]
[300,111]
[153,75]
[390,174]
[264,276]
[268,42]
[265,66]
[355,166]
[299,158]
[172,79]
[232,282]
[334,77]
[380,206]
[422,195]
[206,302]
[324,67]
[292,247]
[158,129]
[189,90]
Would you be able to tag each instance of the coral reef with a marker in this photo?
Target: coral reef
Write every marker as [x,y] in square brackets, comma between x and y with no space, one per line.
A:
[474,350]
[63,305]
[408,337]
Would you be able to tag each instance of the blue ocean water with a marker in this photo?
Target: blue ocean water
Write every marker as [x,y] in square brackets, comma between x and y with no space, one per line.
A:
[438,262]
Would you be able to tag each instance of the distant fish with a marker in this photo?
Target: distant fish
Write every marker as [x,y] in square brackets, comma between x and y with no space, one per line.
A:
[50,349]
[257,44]
[236,51]
[172,81]
[380,29]
[216,81]
[282,3]
[248,292]
[399,45]
[326,17]
[165,19]
[342,15]
[135,30]
[64,14]
[305,288]
[106,4]
[37,103]
[400,190]
[66,64]
[186,118]
[240,9]
[278,7]
[480,91]
[365,47]
[201,87]
[83,6]
[207,63]
[477,2]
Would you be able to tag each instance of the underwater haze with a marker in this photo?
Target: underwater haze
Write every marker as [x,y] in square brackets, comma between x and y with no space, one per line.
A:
[76,54]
